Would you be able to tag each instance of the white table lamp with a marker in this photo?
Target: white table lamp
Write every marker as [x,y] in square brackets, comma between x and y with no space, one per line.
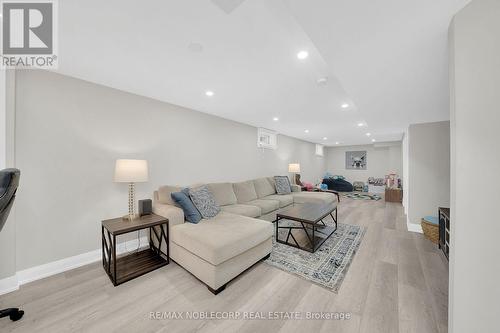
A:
[131,172]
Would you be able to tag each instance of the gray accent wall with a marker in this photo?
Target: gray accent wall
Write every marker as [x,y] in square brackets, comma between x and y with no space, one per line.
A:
[69,133]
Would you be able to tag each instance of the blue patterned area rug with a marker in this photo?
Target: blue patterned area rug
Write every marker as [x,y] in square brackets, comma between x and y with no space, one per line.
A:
[328,265]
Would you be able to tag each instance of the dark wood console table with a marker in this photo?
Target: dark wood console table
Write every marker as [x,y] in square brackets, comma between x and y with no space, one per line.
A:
[128,266]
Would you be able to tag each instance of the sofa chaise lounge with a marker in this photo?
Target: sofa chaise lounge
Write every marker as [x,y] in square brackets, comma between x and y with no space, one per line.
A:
[217,250]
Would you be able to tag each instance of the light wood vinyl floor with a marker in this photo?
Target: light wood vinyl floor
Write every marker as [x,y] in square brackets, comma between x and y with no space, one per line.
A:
[397,282]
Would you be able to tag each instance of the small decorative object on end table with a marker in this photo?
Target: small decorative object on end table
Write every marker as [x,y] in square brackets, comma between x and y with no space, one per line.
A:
[131,172]
[444,231]
[393,194]
[129,266]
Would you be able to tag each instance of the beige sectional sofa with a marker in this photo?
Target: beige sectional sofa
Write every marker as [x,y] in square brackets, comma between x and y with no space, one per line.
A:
[217,250]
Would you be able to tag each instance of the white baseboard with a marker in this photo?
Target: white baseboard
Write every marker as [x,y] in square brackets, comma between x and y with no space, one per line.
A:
[8,284]
[13,283]
[413,227]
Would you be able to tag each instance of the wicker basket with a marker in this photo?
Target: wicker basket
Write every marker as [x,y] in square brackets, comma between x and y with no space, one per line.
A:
[431,231]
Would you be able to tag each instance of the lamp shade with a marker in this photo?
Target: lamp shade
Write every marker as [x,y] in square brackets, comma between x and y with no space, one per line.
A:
[131,171]
[294,167]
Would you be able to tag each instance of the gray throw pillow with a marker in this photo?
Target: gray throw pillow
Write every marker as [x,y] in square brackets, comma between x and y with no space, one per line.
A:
[204,201]
[282,185]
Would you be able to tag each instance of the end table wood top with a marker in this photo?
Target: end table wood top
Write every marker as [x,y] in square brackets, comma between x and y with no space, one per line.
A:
[118,226]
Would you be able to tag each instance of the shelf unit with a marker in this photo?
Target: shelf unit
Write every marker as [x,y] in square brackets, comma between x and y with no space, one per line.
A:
[444,230]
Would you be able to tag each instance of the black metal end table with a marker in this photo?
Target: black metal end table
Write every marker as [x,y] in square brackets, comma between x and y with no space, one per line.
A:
[128,266]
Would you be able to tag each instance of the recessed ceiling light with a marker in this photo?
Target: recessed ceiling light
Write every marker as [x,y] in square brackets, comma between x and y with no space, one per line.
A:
[322,81]
[325,138]
[361,124]
[337,143]
[209,93]
[345,106]
[276,119]
[373,140]
[302,55]
[368,134]
[307,131]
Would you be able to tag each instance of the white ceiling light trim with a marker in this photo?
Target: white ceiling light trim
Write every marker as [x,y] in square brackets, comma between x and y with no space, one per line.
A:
[302,55]
[209,93]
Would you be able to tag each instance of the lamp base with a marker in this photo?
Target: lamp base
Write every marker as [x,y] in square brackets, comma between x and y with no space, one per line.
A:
[130,217]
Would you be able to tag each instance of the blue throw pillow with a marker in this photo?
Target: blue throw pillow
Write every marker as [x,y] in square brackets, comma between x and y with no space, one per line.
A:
[191,214]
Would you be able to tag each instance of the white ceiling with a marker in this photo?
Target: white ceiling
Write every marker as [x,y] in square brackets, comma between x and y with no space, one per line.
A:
[386,58]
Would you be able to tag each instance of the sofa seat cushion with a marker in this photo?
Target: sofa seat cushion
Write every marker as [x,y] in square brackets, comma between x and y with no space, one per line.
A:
[263,187]
[245,210]
[266,206]
[284,199]
[318,197]
[223,237]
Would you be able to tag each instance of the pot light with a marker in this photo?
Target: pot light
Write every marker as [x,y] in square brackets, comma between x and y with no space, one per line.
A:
[322,81]
[209,93]
[325,138]
[368,134]
[302,55]
[361,124]
[337,143]
[373,140]
[306,131]
[345,106]
[276,119]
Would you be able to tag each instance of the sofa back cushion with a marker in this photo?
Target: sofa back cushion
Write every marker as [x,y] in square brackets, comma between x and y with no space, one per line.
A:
[263,187]
[223,193]
[245,191]
[164,194]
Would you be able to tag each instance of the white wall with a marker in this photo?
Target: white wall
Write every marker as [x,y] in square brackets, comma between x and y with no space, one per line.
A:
[429,169]
[406,172]
[8,233]
[475,118]
[69,133]
[381,160]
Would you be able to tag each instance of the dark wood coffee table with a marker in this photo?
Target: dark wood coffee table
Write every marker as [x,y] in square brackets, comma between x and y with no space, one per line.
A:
[309,218]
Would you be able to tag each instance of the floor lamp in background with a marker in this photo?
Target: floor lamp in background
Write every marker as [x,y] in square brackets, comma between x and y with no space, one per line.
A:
[131,172]
[294,168]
